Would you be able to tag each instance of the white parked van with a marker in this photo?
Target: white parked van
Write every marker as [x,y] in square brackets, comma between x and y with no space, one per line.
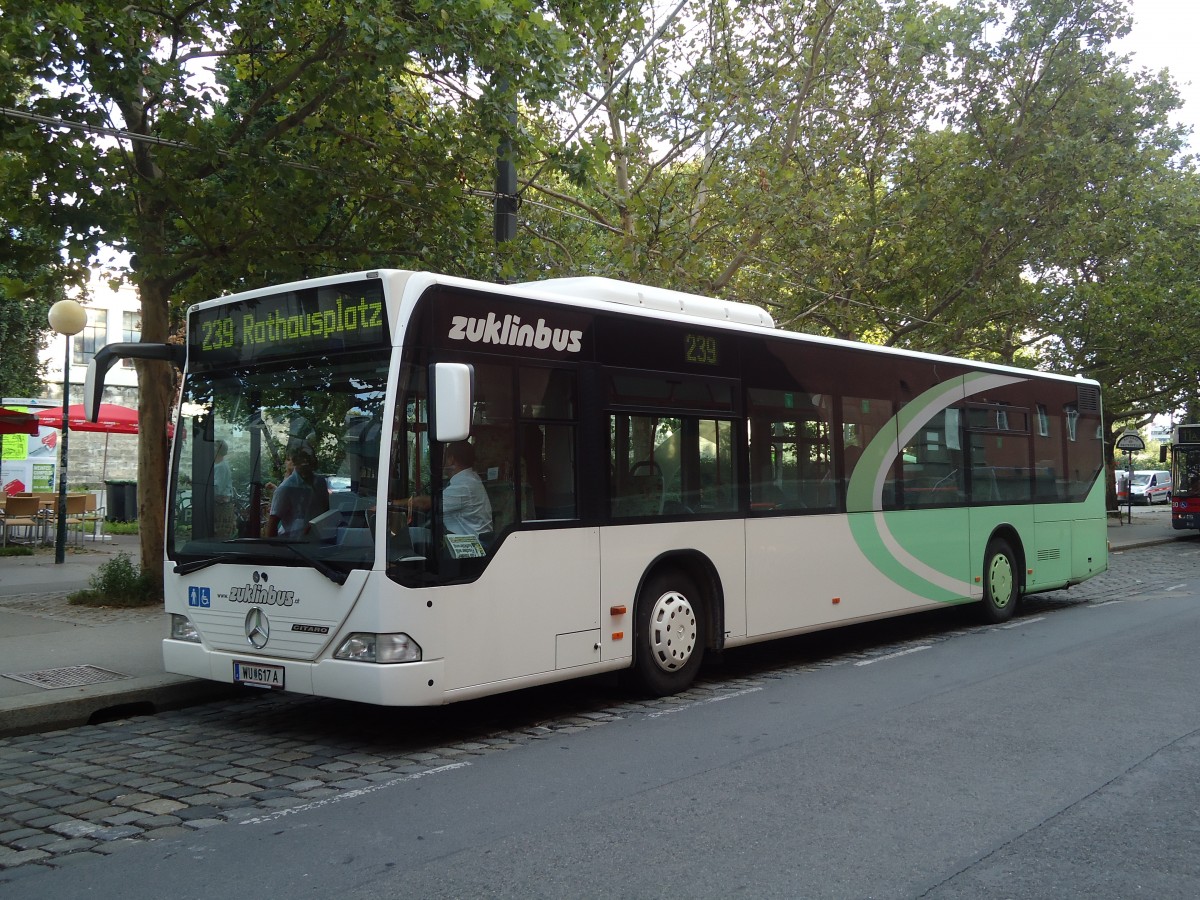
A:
[1152,486]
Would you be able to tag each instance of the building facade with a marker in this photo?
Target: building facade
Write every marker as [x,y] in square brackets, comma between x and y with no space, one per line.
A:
[112,315]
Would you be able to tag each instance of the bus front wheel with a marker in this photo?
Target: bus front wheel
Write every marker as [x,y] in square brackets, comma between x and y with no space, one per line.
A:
[1001,582]
[670,635]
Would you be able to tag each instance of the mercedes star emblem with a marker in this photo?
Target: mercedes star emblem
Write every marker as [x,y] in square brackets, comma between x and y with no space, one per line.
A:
[258,629]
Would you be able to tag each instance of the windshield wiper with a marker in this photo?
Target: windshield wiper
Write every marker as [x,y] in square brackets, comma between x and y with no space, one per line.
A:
[197,564]
[335,575]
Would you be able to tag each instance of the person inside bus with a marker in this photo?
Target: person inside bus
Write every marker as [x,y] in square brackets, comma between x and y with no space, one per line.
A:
[223,515]
[465,505]
[300,497]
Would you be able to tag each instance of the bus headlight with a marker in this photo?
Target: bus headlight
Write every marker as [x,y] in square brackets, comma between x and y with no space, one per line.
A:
[379,648]
[182,629]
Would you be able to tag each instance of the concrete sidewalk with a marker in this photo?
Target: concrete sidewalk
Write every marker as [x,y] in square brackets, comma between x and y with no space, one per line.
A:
[84,664]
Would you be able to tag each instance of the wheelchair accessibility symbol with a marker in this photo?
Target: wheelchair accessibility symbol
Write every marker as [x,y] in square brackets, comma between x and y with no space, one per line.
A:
[200,596]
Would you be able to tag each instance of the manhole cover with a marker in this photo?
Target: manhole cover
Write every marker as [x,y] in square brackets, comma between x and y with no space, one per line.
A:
[68,676]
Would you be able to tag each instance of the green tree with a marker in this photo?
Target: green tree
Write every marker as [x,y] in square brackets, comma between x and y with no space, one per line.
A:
[755,154]
[258,140]
[952,179]
[22,326]
[33,276]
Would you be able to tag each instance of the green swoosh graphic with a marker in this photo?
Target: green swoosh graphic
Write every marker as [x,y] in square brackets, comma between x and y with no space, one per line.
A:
[872,530]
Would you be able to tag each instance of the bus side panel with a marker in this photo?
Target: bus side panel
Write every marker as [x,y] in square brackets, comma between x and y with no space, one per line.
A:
[629,550]
[813,571]
[1048,558]
[1082,531]
[933,548]
[1089,554]
[507,624]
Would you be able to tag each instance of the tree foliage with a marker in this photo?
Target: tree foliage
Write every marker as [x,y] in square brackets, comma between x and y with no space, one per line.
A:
[261,140]
[988,179]
[22,326]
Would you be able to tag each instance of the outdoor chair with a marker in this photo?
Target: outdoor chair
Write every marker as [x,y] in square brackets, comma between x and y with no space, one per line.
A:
[76,509]
[20,512]
[93,515]
[75,514]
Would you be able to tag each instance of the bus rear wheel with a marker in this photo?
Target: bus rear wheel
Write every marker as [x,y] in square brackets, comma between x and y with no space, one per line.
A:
[670,635]
[1001,583]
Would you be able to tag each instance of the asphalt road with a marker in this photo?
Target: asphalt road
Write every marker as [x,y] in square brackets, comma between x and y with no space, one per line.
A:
[1054,756]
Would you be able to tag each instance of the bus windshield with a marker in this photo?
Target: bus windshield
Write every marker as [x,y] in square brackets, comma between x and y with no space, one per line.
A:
[279,463]
[1186,477]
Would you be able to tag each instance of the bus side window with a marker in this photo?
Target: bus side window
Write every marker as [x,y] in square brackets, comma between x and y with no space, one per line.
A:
[636,484]
[1049,461]
[493,433]
[671,466]
[791,462]
[548,452]
[863,419]
[704,480]
[932,462]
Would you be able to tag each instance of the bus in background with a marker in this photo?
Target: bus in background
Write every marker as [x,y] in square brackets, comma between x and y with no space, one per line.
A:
[1185,476]
[445,489]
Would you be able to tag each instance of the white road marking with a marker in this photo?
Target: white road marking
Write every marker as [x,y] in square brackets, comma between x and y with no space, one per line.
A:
[717,699]
[349,795]
[867,662]
[1023,622]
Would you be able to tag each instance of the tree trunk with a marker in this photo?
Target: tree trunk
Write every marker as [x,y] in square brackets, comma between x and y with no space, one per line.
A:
[155,386]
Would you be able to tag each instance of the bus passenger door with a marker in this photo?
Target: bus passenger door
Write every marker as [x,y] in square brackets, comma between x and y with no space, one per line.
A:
[673,501]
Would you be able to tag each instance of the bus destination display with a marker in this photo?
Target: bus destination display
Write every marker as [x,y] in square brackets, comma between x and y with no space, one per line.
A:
[297,323]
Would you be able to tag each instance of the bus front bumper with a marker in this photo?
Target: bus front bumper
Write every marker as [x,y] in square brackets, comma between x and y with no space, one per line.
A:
[394,684]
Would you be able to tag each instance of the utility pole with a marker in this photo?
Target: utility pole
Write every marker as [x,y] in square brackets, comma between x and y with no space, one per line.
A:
[506,179]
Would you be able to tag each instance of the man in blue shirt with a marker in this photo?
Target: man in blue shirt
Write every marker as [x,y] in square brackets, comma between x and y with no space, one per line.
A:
[300,497]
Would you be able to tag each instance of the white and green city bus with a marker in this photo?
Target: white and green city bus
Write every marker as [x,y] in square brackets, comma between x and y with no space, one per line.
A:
[667,474]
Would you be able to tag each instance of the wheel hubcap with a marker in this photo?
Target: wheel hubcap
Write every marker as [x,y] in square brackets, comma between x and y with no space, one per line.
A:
[672,631]
[1000,581]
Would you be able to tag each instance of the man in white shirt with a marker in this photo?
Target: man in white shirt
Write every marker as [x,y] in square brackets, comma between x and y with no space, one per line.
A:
[465,505]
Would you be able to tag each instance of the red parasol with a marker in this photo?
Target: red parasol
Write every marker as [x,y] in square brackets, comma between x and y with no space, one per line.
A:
[112,419]
[14,422]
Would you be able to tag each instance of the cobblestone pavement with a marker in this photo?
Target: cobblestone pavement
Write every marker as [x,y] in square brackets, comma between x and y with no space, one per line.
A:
[88,792]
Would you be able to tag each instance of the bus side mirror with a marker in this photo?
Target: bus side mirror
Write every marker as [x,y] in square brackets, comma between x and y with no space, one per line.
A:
[1162,453]
[106,357]
[453,394]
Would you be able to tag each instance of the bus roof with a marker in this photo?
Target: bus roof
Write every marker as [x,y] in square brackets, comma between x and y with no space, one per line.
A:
[597,292]
[625,292]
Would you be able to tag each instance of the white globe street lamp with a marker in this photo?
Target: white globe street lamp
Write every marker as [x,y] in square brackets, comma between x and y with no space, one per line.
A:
[67,317]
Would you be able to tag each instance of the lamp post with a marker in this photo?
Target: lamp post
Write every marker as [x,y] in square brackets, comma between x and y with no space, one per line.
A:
[67,317]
